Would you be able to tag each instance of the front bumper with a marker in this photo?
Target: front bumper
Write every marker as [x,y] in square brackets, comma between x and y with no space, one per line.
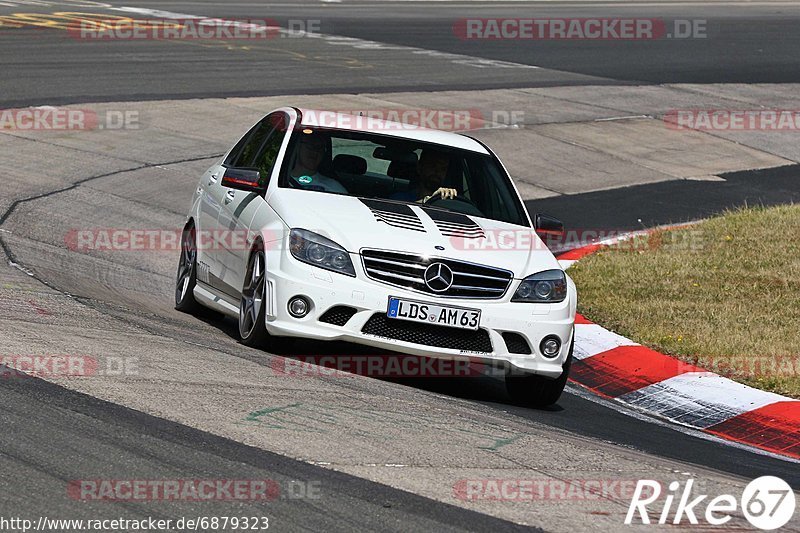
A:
[287,278]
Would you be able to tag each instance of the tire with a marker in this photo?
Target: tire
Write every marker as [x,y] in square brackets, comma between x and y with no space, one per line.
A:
[186,277]
[252,307]
[532,390]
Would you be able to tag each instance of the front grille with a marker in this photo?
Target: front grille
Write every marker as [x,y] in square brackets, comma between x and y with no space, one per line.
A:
[428,334]
[407,270]
[337,315]
[516,343]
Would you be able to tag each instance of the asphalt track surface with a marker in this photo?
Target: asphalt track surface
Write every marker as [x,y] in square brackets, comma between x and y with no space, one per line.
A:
[672,202]
[744,42]
[45,427]
[48,428]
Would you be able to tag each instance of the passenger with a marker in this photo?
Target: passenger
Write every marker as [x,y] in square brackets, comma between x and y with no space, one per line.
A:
[305,172]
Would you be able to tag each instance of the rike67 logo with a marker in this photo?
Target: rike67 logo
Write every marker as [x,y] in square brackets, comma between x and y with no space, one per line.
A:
[767,502]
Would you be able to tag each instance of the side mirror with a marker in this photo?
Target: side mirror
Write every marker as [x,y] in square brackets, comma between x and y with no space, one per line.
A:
[243,179]
[548,225]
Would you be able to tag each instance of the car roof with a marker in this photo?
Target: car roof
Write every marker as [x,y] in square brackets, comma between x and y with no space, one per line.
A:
[349,122]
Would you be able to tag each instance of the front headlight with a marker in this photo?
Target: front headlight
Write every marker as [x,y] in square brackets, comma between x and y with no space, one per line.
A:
[549,286]
[316,250]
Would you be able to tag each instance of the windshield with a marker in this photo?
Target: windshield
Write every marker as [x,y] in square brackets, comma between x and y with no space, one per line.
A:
[370,165]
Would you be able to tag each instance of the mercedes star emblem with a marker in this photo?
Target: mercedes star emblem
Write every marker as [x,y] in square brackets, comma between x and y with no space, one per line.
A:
[438,277]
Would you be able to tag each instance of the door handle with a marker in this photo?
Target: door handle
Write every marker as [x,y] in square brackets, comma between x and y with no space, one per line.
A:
[212,179]
[229,196]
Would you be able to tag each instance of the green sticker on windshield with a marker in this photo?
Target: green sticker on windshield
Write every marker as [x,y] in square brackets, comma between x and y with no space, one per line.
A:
[305,180]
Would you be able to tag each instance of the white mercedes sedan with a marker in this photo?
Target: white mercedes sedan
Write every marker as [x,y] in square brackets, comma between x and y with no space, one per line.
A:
[334,227]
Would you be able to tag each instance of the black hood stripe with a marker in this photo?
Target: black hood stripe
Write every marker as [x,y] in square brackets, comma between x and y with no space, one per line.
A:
[452,224]
[394,214]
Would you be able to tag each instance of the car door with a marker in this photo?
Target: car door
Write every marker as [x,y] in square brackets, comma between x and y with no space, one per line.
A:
[239,207]
[210,246]
[210,191]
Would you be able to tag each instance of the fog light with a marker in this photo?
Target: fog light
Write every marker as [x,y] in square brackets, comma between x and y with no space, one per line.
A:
[299,307]
[550,346]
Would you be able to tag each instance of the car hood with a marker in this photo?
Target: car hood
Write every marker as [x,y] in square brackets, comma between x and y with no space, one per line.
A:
[358,223]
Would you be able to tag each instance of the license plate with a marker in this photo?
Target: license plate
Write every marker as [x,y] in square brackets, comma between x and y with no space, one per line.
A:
[440,315]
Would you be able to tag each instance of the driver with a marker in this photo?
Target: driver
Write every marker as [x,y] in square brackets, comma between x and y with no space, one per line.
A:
[431,170]
[310,152]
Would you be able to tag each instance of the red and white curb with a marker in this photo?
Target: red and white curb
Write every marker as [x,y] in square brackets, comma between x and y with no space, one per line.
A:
[619,369]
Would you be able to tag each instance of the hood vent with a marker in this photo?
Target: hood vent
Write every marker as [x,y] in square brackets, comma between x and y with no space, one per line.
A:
[455,224]
[394,214]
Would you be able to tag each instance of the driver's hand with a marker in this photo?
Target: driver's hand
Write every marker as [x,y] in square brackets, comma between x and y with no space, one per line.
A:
[445,193]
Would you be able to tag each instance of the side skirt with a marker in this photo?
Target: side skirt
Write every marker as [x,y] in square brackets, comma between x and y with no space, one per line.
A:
[216,300]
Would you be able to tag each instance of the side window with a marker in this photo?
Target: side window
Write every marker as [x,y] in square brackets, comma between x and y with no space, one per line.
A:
[259,142]
[265,159]
[247,145]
